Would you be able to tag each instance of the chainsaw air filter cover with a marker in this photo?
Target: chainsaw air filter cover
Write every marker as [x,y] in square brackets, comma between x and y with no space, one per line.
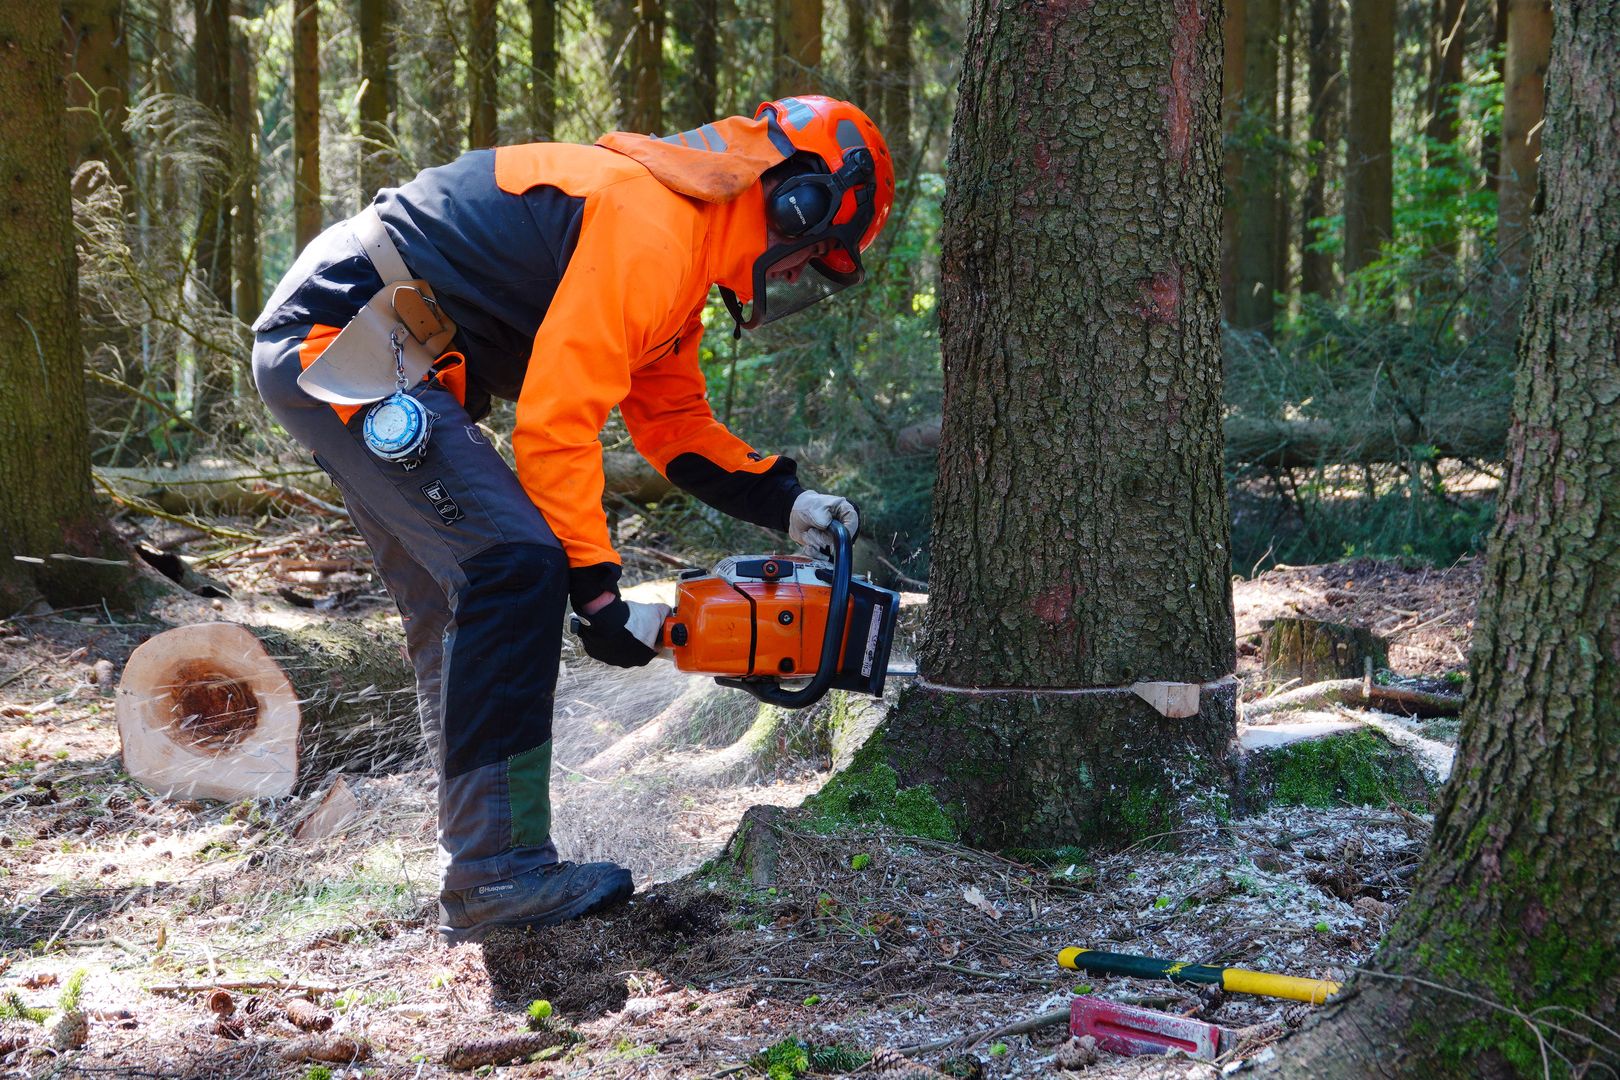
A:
[765,618]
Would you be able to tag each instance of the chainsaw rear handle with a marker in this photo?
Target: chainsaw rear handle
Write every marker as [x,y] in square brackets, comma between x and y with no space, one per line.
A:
[770,690]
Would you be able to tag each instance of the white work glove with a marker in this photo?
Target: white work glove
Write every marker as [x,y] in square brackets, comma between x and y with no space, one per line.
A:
[812,514]
[645,621]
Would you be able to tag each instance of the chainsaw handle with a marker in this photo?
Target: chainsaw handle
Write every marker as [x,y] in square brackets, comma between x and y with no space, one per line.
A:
[771,691]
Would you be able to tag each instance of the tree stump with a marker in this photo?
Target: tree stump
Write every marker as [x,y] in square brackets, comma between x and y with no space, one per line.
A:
[1312,651]
[224,711]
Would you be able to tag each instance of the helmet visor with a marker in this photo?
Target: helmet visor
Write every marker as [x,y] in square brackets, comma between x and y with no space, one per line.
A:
[778,297]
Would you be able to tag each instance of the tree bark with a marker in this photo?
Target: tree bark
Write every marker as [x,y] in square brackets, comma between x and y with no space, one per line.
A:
[248,296]
[1490,150]
[1285,170]
[97,44]
[858,47]
[306,78]
[483,70]
[1080,539]
[1445,75]
[646,112]
[797,63]
[897,76]
[1257,130]
[1234,31]
[543,69]
[1369,210]
[1518,897]
[44,432]
[213,54]
[1324,78]
[379,157]
[1529,38]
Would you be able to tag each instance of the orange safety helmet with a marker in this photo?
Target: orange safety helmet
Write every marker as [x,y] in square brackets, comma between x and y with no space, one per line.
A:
[836,197]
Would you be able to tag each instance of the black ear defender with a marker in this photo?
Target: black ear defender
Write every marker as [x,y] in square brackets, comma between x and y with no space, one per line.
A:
[798,205]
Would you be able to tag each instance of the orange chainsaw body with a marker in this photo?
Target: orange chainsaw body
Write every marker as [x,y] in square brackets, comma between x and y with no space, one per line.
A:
[765,617]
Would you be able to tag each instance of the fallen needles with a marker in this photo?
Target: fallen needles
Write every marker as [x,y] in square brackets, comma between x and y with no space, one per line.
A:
[252,984]
[1021,1027]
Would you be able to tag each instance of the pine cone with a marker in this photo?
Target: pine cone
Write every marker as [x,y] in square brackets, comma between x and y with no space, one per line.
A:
[477,1053]
[306,1015]
[896,1066]
[70,1031]
[1080,1052]
[15,1035]
[1296,1015]
[338,1049]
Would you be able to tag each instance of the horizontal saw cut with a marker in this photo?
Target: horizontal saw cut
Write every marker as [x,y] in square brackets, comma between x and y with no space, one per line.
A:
[224,711]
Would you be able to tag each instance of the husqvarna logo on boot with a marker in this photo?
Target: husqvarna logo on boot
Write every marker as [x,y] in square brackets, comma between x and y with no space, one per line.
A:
[494,890]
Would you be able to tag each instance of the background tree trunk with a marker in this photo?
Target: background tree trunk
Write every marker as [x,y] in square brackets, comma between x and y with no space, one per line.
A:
[213,52]
[1324,78]
[1369,211]
[1080,539]
[897,76]
[483,71]
[1529,38]
[798,48]
[1233,31]
[1517,900]
[858,48]
[1445,75]
[248,297]
[44,432]
[1289,45]
[378,158]
[1490,150]
[646,113]
[306,75]
[543,69]
[98,81]
[1257,207]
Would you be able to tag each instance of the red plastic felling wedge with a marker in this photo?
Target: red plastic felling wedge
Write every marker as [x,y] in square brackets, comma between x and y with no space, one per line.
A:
[1127,1029]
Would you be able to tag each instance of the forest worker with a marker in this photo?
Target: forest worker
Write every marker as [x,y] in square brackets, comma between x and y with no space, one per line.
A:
[571,279]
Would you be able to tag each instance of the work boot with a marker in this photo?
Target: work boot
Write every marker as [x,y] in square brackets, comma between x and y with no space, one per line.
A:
[541,897]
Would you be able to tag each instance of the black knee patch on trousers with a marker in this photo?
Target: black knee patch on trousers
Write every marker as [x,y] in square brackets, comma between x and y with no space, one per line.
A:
[502,672]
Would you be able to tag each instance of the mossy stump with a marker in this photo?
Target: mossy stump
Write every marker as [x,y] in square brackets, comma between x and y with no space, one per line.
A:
[1043,769]
[1312,651]
[1352,768]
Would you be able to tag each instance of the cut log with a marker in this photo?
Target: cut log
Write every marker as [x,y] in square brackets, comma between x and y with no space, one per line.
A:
[223,711]
[1311,651]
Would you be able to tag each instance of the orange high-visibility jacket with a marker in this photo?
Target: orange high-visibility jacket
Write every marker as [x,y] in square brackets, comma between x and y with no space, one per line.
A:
[578,281]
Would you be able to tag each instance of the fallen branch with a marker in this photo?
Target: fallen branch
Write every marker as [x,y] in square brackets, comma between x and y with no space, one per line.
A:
[477,1053]
[1021,1027]
[1356,694]
[250,984]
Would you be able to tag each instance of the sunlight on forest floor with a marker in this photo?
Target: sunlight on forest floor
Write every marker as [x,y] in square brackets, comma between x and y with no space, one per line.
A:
[655,771]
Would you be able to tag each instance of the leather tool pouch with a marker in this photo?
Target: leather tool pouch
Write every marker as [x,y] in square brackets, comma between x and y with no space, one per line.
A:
[358,367]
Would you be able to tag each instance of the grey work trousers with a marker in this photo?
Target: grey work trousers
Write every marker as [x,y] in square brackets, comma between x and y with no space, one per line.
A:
[481,582]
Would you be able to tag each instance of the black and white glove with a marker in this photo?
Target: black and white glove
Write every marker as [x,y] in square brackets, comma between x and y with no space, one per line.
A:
[624,633]
[809,523]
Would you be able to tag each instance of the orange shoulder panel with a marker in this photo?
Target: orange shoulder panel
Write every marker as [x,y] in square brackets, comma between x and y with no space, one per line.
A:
[573,169]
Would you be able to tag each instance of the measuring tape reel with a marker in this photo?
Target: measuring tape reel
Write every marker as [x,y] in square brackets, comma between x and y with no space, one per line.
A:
[398,427]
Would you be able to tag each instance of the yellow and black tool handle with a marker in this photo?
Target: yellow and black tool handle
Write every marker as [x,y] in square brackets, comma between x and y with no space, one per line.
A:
[1237,980]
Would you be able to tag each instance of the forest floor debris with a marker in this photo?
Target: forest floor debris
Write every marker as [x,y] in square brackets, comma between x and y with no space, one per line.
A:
[163,905]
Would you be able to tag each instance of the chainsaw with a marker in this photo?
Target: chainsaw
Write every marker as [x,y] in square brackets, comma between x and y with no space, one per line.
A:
[762,622]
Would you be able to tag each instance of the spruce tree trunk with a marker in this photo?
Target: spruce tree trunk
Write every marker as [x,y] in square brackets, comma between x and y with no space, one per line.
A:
[897,75]
[1257,213]
[306,79]
[1080,524]
[1369,210]
[1445,74]
[798,48]
[1519,896]
[1233,30]
[44,432]
[213,52]
[378,157]
[1490,150]
[543,74]
[248,297]
[1529,38]
[97,44]
[1326,87]
[858,47]
[705,80]
[483,70]
[1285,172]
[647,68]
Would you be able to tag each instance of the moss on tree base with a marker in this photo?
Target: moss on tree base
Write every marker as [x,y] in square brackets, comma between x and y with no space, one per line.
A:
[1031,769]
